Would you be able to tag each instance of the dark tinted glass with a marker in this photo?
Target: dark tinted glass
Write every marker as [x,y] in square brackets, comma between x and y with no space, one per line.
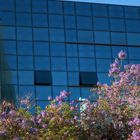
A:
[74,93]
[71,35]
[43,78]
[72,64]
[134,53]
[7,6]
[131,12]
[88,78]
[23,5]
[73,79]
[133,39]
[72,50]
[70,22]
[69,7]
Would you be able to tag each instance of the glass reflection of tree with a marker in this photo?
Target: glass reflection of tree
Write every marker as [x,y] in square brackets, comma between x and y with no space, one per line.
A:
[7,91]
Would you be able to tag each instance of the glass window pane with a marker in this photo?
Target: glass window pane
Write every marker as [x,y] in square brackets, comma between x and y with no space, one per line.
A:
[43,78]
[74,93]
[42,104]
[70,22]
[42,63]
[8,47]
[116,11]
[72,64]
[7,5]
[102,37]
[85,92]
[71,35]
[72,50]
[131,12]
[39,6]
[26,77]
[104,78]
[24,48]
[55,7]
[73,79]
[25,62]
[59,78]
[133,39]
[132,25]
[134,53]
[83,9]
[86,50]
[84,22]
[103,51]
[56,21]
[40,34]
[57,49]
[58,63]
[68,7]
[41,48]
[57,35]
[85,36]
[118,38]
[101,24]
[103,65]
[87,65]
[23,6]
[24,33]
[23,19]
[7,18]
[117,25]
[40,20]
[99,10]
[43,92]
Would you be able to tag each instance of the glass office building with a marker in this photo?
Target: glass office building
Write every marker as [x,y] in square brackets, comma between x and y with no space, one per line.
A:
[48,45]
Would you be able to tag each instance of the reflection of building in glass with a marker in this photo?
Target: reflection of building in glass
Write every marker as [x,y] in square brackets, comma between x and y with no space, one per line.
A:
[51,45]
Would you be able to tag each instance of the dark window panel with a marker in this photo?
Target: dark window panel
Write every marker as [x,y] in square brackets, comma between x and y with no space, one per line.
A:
[83,9]
[132,25]
[70,22]
[118,38]
[26,77]
[101,24]
[117,25]
[73,79]
[58,63]
[42,63]
[57,35]
[40,20]
[103,51]
[39,6]
[24,48]
[41,48]
[87,65]
[23,19]
[116,11]
[71,35]
[7,5]
[23,5]
[57,49]
[85,36]
[72,64]
[132,12]
[56,21]
[43,78]
[24,33]
[59,78]
[8,47]
[99,10]
[102,37]
[86,51]
[55,7]
[40,34]
[7,32]
[7,18]
[88,78]
[72,50]
[133,39]
[43,92]
[84,22]
[25,62]
[69,7]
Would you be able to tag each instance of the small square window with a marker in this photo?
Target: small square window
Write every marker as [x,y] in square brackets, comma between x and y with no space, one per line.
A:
[43,78]
[88,78]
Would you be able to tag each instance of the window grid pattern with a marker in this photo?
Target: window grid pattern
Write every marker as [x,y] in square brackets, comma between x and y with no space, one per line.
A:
[73,38]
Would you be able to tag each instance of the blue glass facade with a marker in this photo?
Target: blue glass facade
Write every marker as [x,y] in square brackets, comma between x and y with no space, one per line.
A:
[47,45]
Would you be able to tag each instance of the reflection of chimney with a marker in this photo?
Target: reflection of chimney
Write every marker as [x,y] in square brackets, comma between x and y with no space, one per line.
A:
[6,90]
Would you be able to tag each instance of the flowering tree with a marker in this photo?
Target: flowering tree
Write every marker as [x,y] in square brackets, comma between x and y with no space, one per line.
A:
[114,116]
